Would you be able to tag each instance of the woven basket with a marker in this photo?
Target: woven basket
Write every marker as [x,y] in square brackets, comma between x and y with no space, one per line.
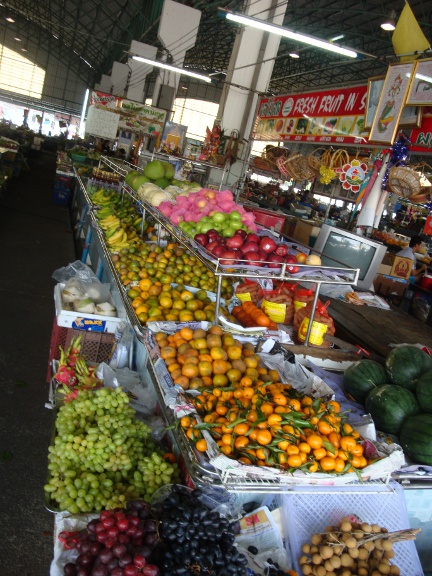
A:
[298,168]
[280,163]
[338,159]
[314,160]
[404,181]
[272,153]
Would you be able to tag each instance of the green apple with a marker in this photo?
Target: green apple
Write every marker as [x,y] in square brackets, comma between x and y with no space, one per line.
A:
[219,217]
[235,217]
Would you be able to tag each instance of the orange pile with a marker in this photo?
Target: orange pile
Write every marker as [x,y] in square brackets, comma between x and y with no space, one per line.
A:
[250,315]
[252,416]
[154,301]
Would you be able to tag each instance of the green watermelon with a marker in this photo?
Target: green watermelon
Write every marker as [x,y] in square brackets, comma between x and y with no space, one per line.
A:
[416,438]
[424,392]
[390,406]
[406,364]
[361,377]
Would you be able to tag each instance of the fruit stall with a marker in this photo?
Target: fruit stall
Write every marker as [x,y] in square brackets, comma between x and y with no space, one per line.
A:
[194,442]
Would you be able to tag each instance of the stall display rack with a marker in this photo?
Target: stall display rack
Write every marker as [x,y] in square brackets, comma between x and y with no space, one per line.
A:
[220,272]
[351,274]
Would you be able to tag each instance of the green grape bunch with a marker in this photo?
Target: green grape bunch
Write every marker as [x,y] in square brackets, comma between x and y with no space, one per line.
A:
[103,455]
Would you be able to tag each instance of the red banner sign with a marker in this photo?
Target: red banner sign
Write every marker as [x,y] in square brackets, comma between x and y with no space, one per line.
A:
[421,138]
[331,116]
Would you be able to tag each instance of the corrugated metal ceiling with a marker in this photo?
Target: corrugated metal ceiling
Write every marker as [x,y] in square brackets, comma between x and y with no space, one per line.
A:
[89,35]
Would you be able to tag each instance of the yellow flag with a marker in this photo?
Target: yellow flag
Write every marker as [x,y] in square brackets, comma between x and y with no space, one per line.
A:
[408,36]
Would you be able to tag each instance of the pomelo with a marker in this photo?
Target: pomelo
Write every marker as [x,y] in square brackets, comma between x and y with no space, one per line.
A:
[154,170]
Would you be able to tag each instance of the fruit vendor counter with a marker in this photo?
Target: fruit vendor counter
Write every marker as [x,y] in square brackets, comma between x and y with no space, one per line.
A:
[375,329]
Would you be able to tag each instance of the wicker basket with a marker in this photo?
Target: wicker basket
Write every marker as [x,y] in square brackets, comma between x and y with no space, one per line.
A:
[404,181]
[338,159]
[271,153]
[297,167]
[314,160]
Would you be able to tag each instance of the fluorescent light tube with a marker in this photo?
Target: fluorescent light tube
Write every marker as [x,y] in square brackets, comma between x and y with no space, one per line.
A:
[171,68]
[279,30]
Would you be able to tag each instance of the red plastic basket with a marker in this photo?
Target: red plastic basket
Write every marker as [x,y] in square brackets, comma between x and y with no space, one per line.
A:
[96,347]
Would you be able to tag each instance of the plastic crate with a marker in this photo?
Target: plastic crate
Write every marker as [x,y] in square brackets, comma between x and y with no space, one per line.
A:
[307,511]
[95,346]
[61,197]
[63,182]
[269,219]
[78,158]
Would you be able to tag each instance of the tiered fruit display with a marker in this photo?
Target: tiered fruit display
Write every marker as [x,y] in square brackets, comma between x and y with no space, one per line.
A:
[252,416]
[398,397]
[217,206]
[103,455]
[352,548]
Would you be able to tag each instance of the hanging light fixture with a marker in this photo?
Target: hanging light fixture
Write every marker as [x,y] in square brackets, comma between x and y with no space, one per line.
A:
[171,68]
[389,24]
[10,19]
[280,31]
[294,54]
[17,39]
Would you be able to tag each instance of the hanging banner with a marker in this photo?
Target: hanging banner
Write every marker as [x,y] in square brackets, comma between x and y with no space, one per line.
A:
[132,116]
[421,138]
[328,116]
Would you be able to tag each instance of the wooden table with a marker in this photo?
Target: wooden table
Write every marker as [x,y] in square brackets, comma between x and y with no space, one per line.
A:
[376,329]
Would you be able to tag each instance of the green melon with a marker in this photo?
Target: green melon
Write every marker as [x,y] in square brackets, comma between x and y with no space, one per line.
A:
[424,392]
[406,364]
[130,177]
[162,182]
[416,438]
[169,170]
[154,170]
[390,406]
[361,377]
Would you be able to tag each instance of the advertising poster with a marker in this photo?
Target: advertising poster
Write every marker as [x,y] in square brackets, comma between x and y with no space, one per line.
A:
[329,116]
[132,116]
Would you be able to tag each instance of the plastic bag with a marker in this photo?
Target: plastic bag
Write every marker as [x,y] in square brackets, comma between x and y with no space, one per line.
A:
[76,289]
[77,270]
[123,351]
[135,387]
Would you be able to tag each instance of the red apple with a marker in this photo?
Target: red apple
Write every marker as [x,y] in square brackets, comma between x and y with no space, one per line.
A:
[201,239]
[217,251]
[228,257]
[241,232]
[274,261]
[290,259]
[253,238]
[252,259]
[267,244]
[235,241]
[212,233]
[249,247]
[281,249]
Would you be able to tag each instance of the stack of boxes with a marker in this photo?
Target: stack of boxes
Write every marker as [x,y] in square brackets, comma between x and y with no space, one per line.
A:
[393,275]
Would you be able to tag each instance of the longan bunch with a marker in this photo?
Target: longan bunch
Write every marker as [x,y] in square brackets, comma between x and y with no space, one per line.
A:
[350,549]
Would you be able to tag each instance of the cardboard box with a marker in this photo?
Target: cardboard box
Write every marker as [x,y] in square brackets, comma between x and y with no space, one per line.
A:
[384,269]
[402,267]
[386,285]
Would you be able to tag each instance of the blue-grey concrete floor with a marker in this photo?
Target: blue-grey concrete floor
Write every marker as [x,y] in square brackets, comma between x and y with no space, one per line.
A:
[35,239]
